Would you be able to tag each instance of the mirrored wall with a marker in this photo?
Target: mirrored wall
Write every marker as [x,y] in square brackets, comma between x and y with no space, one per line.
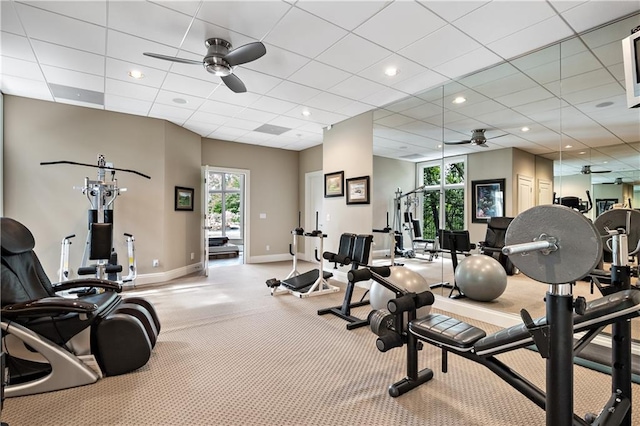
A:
[555,122]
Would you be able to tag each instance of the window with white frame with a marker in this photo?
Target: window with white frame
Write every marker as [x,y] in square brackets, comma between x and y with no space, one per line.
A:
[444,194]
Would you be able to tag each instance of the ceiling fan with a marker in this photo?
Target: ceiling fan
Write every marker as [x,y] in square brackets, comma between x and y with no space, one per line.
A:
[617,181]
[477,138]
[220,60]
[586,170]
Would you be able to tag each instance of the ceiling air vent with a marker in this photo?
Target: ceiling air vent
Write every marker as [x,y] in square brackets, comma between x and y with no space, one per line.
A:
[271,129]
[76,94]
[413,156]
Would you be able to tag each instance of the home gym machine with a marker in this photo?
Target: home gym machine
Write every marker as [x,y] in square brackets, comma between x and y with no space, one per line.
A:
[558,246]
[575,203]
[404,221]
[310,283]
[353,250]
[99,243]
[392,241]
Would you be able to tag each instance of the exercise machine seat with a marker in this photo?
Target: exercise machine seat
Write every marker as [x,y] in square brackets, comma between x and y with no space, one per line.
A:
[446,331]
[53,341]
[494,242]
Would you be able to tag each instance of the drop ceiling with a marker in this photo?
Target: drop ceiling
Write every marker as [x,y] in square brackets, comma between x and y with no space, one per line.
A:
[329,58]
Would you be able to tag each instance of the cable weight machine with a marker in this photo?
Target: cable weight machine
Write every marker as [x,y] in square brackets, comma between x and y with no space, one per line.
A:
[99,246]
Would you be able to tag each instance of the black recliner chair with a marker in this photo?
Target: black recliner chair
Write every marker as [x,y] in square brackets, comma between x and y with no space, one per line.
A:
[54,342]
[494,242]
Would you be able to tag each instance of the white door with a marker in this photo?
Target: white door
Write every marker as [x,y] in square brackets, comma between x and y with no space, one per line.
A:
[525,193]
[545,192]
[205,226]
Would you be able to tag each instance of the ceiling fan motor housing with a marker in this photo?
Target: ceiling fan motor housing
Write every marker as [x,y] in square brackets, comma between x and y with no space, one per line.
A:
[214,62]
[478,137]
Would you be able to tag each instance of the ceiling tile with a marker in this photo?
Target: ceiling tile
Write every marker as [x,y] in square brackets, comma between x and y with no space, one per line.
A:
[435,49]
[220,108]
[20,68]
[501,87]
[253,18]
[224,94]
[346,14]
[22,87]
[328,101]
[593,13]
[171,113]
[293,92]
[356,88]
[594,94]
[586,81]
[227,133]
[129,48]
[58,29]
[130,90]
[237,123]
[200,31]
[384,97]
[611,33]
[403,22]
[94,11]
[73,78]
[353,54]
[196,71]
[190,86]
[126,104]
[16,46]
[64,57]
[319,75]
[501,18]
[531,38]
[419,82]
[257,82]
[205,118]
[290,122]
[256,115]
[609,54]
[468,63]
[318,116]
[167,97]
[304,33]
[405,70]
[277,62]
[160,25]
[188,7]
[450,11]
[523,97]
[269,104]
[119,70]
[354,108]
[9,21]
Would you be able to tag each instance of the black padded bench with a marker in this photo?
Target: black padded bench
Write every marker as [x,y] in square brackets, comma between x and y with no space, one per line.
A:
[457,336]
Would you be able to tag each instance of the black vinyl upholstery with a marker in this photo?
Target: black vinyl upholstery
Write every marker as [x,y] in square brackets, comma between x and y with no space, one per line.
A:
[121,332]
[494,242]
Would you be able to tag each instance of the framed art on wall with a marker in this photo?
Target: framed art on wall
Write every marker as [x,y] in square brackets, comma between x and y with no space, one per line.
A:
[487,199]
[358,190]
[183,198]
[334,184]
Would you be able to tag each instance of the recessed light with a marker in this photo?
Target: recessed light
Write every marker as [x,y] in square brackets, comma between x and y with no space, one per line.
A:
[136,74]
[306,112]
[391,71]
[439,146]
[604,162]
[525,129]
[582,152]
[568,146]
[459,100]
[180,101]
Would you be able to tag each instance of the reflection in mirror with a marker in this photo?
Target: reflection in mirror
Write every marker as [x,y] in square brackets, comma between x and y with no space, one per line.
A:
[552,120]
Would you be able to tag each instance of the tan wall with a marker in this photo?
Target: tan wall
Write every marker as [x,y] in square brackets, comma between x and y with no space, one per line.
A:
[43,198]
[182,167]
[544,170]
[310,160]
[348,146]
[273,184]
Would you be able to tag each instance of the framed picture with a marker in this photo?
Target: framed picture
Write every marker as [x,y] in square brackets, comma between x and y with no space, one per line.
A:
[487,199]
[358,190]
[334,184]
[184,198]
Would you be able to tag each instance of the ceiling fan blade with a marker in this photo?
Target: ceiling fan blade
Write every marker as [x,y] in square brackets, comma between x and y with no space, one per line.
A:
[499,136]
[234,83]
[600,171]
[482,145]
[247,53]
[456,142]
[172,58]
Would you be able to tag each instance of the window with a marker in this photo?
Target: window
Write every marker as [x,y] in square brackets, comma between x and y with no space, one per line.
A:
[447,178]
[224,195]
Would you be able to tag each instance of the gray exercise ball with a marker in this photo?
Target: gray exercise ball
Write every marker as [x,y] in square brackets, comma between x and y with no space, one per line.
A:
[481,277]
[404,278]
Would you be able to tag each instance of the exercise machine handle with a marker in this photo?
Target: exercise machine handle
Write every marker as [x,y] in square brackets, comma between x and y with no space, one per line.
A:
[337,258]
[389,341]
[357,275]
[410,301]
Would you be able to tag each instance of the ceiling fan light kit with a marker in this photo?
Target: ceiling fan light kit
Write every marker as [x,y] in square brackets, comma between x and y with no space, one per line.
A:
[220,60]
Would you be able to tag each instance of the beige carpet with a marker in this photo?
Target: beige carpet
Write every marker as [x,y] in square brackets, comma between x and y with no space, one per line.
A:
[231,354]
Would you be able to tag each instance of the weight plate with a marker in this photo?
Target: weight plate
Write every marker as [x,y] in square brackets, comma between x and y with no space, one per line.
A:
[579,244]
[617,218]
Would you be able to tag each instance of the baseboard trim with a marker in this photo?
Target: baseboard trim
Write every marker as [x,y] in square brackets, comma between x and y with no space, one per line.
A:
[159,277]
[269,258]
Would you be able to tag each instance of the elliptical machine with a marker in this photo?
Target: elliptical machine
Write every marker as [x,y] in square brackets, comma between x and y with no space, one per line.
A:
[99,245]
